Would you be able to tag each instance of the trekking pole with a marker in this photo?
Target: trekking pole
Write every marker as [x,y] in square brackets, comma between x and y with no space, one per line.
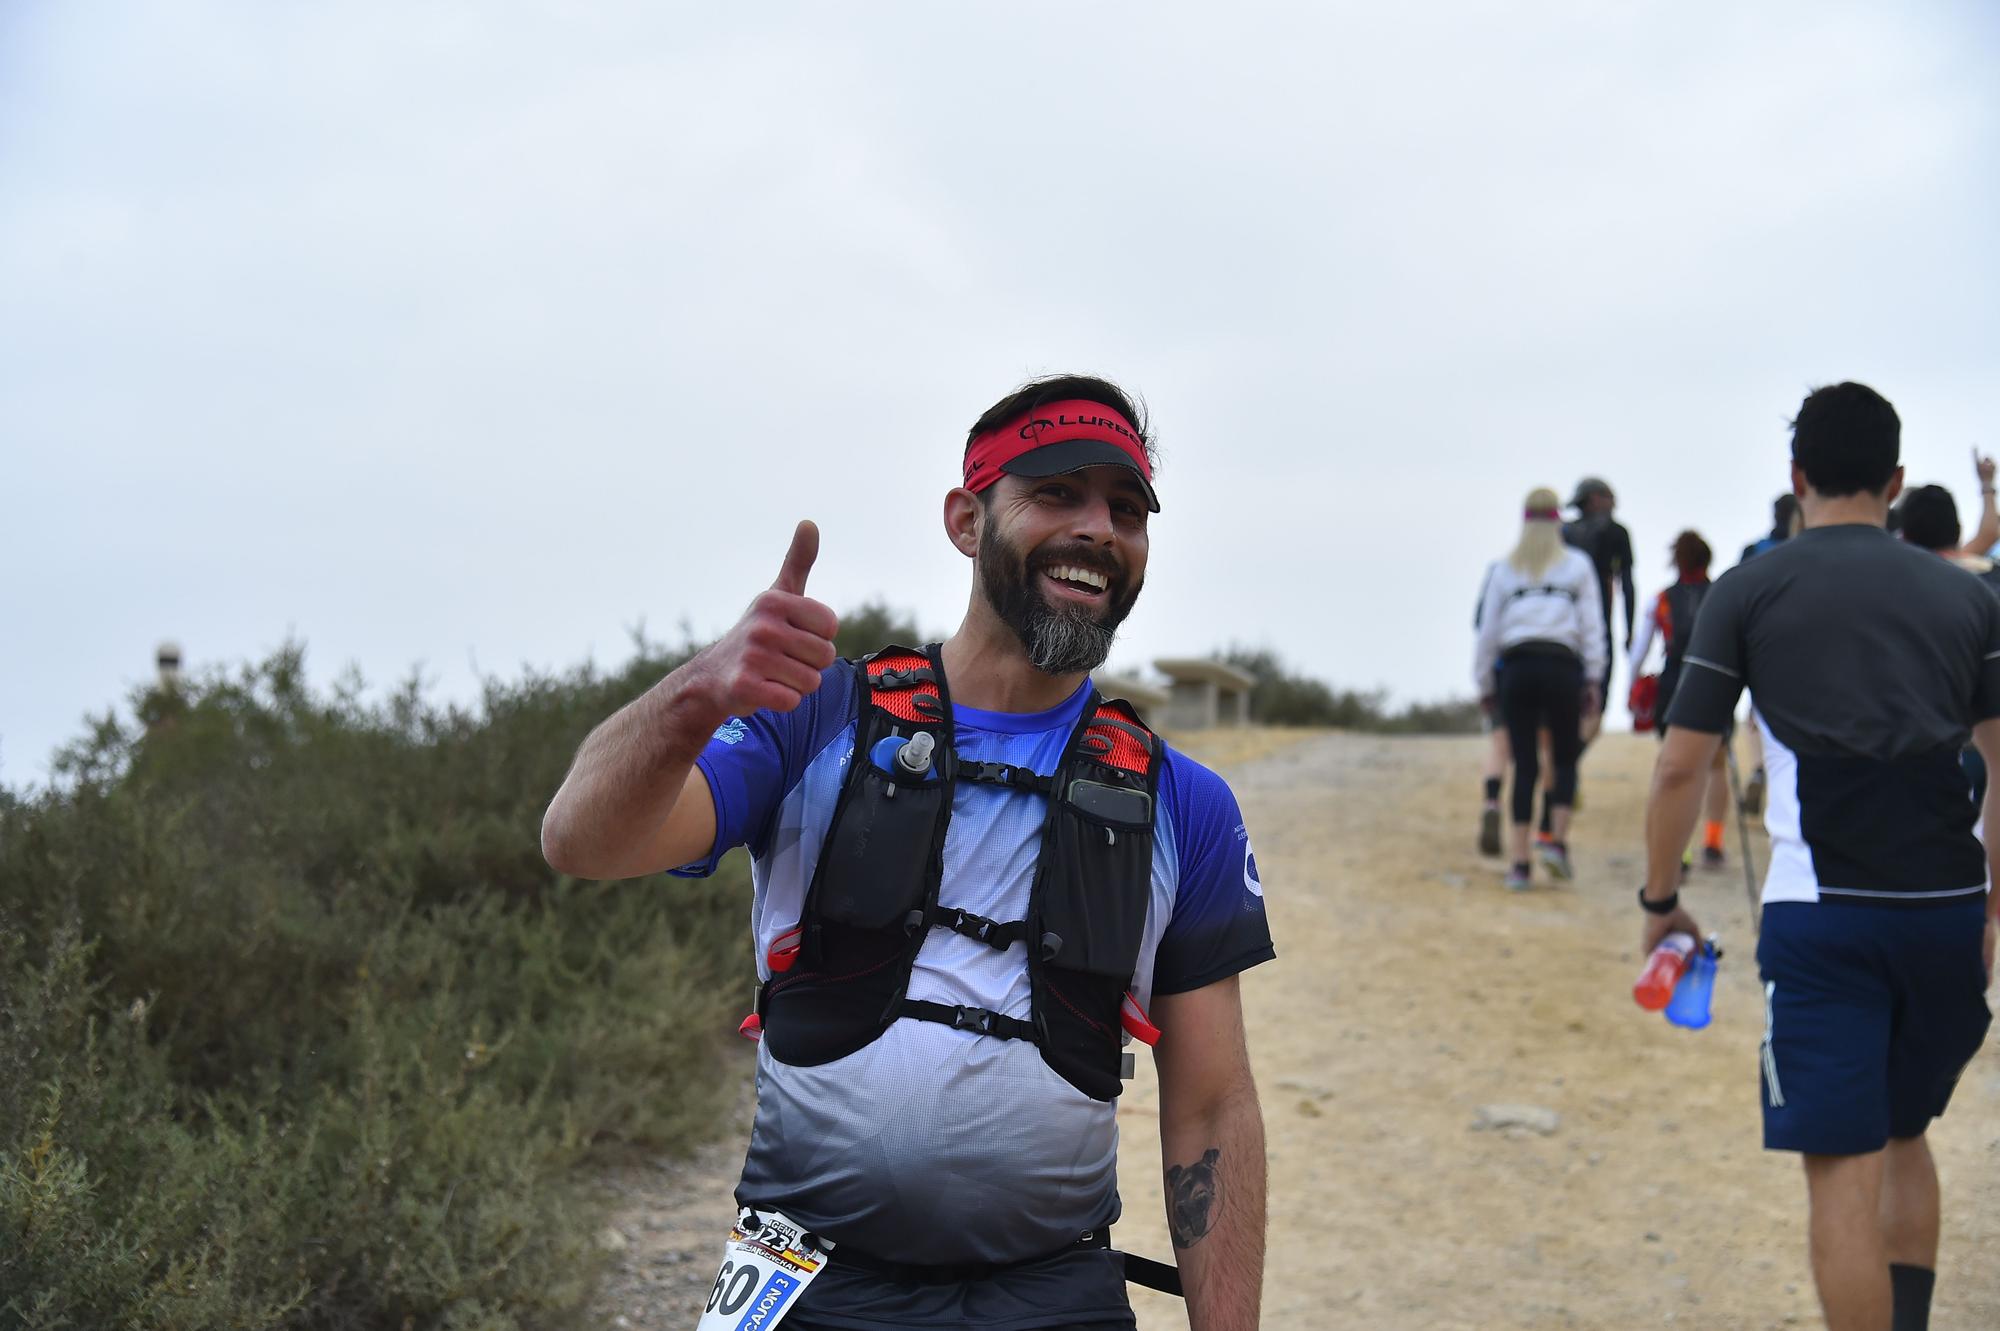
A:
[1743,837]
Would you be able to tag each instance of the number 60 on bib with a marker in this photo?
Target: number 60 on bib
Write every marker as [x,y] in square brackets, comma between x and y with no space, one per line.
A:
[768,1260]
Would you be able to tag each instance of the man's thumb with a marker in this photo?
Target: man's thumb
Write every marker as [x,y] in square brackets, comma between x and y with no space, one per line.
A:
[799,560]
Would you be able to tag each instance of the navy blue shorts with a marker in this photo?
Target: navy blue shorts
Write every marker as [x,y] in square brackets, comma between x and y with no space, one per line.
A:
[1871,1013]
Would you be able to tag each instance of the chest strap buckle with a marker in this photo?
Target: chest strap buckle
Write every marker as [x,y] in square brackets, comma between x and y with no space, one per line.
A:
[1005,774]
[978,1020]
[979,929]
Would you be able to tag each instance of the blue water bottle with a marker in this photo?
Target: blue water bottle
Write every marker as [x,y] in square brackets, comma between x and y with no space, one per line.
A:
[1689,1007]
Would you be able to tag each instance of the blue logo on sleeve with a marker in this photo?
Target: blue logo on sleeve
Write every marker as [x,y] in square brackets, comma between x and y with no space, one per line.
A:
[731,731]
[1251,882]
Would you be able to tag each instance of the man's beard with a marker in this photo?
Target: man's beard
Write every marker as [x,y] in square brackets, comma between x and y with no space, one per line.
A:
[1059,639]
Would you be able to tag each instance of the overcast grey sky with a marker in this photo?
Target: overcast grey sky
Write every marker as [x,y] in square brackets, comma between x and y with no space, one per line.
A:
[478,333]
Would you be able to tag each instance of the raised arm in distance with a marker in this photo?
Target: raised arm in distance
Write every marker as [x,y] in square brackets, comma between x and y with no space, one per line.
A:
[1988,532]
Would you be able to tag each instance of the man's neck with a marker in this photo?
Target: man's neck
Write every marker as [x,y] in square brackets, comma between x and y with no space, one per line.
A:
[1856,510]
[987,668]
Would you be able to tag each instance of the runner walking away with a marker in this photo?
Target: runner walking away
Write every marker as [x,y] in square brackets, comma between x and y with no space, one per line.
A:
[971,874]
[1930,522]
[1870,662]
[1539,651]
[1494,768]
[1934,509]
[1989,516]
[1785,523]
[1609,545]
[1671,619]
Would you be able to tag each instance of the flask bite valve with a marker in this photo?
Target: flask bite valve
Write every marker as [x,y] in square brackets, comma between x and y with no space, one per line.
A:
[915,756]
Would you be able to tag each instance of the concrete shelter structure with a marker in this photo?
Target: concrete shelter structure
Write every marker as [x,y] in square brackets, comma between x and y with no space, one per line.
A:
[1150,699]
[1204,693]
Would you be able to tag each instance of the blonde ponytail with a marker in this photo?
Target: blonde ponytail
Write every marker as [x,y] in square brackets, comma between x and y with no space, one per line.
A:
[1541,543]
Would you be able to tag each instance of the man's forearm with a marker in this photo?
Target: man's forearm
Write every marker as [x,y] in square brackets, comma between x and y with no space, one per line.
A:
[1215,1209]
[627,776]
[1988,530]
[1990,813]
[1670,820]
[1991,809]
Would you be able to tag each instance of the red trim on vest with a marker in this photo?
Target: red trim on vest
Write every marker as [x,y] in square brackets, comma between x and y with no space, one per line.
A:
[902,703]
[1126,751]
[1137,1025]
[783,953]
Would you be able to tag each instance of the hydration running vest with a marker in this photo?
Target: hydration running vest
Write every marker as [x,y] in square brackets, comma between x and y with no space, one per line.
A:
[841,976]
[1678,605]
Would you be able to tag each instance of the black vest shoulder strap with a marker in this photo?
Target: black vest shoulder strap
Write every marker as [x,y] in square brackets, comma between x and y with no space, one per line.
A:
[1683,603]
[905,682]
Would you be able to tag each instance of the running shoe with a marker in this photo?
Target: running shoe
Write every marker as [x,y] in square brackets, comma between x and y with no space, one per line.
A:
[1753,793]
[1489,831]
[1518,879]
[1712,859]
[1555,858]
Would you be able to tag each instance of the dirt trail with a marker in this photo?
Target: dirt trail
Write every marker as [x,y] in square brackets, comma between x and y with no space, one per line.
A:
[1411,990]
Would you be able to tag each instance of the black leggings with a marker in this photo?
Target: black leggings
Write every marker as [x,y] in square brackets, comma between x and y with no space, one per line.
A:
[1540,690]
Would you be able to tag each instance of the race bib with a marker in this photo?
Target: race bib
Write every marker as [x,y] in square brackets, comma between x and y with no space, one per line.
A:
[767,1263]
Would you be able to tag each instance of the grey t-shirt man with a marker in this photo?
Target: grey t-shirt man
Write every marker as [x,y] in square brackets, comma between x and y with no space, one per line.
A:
[1869,662]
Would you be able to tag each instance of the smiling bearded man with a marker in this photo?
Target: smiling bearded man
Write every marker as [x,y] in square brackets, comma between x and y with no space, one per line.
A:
[1059,638]
[976,879]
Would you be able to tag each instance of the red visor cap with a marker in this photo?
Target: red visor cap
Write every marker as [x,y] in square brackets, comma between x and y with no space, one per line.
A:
[1057,439]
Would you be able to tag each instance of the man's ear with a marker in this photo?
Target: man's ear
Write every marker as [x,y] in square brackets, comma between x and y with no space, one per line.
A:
[1799,486]
[962,515]
[1895,486]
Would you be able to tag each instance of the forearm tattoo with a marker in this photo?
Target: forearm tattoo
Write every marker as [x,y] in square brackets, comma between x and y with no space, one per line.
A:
[1194,1198]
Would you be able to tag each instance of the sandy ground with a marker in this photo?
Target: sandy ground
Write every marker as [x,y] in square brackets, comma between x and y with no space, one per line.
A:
[1410,991]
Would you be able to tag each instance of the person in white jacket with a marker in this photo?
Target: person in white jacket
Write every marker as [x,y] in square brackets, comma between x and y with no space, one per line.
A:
[1541,648]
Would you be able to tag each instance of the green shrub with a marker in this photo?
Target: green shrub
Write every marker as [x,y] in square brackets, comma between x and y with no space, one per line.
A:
[875,625]
[298,1030]
[1281,697]
[1454,716]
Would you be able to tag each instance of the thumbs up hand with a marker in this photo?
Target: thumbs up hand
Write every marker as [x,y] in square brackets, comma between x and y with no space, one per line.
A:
[773,657]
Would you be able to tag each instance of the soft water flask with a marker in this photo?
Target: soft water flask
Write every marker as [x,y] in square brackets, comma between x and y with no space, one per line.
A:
[909,758]
[1655,985]
[1689,1007]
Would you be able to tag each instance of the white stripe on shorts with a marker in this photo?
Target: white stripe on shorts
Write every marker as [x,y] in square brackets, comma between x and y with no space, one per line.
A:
[1771,1085]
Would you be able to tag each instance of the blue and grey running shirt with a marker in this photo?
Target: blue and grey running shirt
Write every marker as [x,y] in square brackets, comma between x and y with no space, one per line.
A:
[935,1145]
